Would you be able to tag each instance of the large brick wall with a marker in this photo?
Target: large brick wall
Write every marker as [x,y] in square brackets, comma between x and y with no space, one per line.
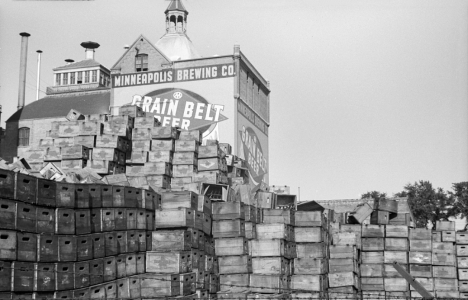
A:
[8,148]
[37,130]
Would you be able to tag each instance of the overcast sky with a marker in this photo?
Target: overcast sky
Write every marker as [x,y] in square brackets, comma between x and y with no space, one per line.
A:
[366,95]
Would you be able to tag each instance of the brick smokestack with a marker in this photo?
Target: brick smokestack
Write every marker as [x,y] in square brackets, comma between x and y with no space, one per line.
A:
[23,64]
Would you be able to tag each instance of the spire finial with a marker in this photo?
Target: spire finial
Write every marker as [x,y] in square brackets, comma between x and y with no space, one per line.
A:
[176,17]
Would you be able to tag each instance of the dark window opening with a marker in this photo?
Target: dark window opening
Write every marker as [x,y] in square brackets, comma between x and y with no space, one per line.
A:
[80,78]
[23,137]
[141,62]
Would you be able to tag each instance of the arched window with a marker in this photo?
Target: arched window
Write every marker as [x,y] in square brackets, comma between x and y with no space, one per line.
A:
[141,62]
[23,136]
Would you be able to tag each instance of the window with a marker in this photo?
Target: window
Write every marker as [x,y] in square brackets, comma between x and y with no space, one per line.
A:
[94,77]
[80,78]
[23,137]
[141,62]
[72,78]
[86,76]
[58,78]
[102,79]
[65,78]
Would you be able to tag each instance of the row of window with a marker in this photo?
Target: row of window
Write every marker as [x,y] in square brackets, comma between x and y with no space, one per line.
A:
[80,78]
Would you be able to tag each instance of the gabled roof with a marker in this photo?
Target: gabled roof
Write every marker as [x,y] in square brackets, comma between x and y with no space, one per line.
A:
[133,45]
[59,106]
[87,63]
[176,5]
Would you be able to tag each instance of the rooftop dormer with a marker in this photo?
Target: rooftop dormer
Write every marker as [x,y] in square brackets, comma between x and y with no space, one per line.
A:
[84,75]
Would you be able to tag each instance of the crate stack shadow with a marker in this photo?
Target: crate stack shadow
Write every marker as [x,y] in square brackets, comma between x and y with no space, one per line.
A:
[67,240]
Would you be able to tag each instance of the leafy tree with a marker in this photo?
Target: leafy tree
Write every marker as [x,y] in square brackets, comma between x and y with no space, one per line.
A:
[374,195]
[460,193]
[428,204]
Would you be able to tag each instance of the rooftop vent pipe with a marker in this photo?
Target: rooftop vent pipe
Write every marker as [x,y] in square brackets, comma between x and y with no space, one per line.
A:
[22,73]
[90,46]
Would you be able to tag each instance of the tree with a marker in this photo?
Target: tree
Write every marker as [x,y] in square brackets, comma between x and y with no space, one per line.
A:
[428,204]
[374,195]
[460,193]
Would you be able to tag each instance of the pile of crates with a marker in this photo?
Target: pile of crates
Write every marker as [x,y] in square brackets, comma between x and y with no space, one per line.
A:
[181,260]
[462,262]
[65,240]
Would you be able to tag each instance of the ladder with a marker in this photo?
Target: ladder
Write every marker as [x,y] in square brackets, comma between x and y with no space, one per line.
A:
[414,283]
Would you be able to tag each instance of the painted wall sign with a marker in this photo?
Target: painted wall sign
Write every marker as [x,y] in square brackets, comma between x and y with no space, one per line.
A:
[174,75]
[252,117]
[180,108]
[253,154]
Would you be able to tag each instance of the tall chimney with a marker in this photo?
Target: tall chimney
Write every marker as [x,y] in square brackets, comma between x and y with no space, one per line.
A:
[38,73]
[90,46]
[23,63]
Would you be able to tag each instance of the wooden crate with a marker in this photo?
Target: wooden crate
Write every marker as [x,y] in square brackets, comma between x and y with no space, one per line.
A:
[445,284]
[234,282]
[396,285]
[159,285]
[343,279]
[210,151]
[399,256]
[373,244]
[160,156]
[443,259]
[420,270]
[308,235]
[445,226]
[390,271]
[183,199]
[420,234]
[379,217]
[437,236]
[173,218]
[185,158]
[231,246]
[260,283]
[284,216]
[228,210]
[371,270]
[235,264]
[461,238]
[462,250]
[274,231]
[260,248]
[441,247]
[338,265]
[343,251]
[110,141]
[372,257]
[186,146]
[419,257]
[270,265]
[360,213]
[311,283]
[312,266]
[228,228]
[448,236]
[374,295]
[168,262]
[463,287]
[346,238]
[397,231]
[396,244]
[309,219]
[373,231]
[447,294]
[387,205]
[171,240]
[311,250]
[420,245]
[162,145]
[184,170]
[187,283]
[447,272]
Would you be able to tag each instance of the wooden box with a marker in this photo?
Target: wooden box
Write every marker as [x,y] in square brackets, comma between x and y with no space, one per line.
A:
[379,217]
[161,156]
[67,248]
[387,205]
[391,272]
[308,235]
[447,294]
[75,152]
[265,200]
[311,250]
[185,158]
[81,274]
[448,236]
[309,283]
[420,245]
[448,272]
[261,248]
[396,244]
[44,277]
[64,278]
[235,264]
[168,240]
[191,135]
[228,228]
[8,245]
[372,284]
[445,284]
[373,231]
[338,265]
[69,130]
[22,276]
[183,199]
[111,247]
[173,218]
[110,268]
[96,271]
[234,282]
[360,213]
[284,216]
[186,146]
[120,218]
[443,259]
[441,247]
[399,256]
[231,246]
[372,257]
[25,189]
[461,238]
[373,244]
[270,265]
[7,184]
[395,285]
[121,237]
[210,151]
[462,250]
[445,226]
[159,285]
[211,164]
[53,154]
[65,221]
[343,251]
[184,170]
[228,210]
[26,245]
[162,145]
[162,181]
[110,141]
[268,283]
[420,270]
[420,234]
[274,231]
[421,258]
[309,219]
[463,287]
[7,214]
[168,262]
[371,270]
[343,279]
[164,133]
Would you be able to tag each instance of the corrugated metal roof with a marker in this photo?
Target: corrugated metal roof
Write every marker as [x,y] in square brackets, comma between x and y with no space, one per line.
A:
[87,63]
[59,106]
[176,5]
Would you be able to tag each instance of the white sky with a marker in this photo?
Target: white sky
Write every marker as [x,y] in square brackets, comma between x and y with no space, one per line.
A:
[366,95]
